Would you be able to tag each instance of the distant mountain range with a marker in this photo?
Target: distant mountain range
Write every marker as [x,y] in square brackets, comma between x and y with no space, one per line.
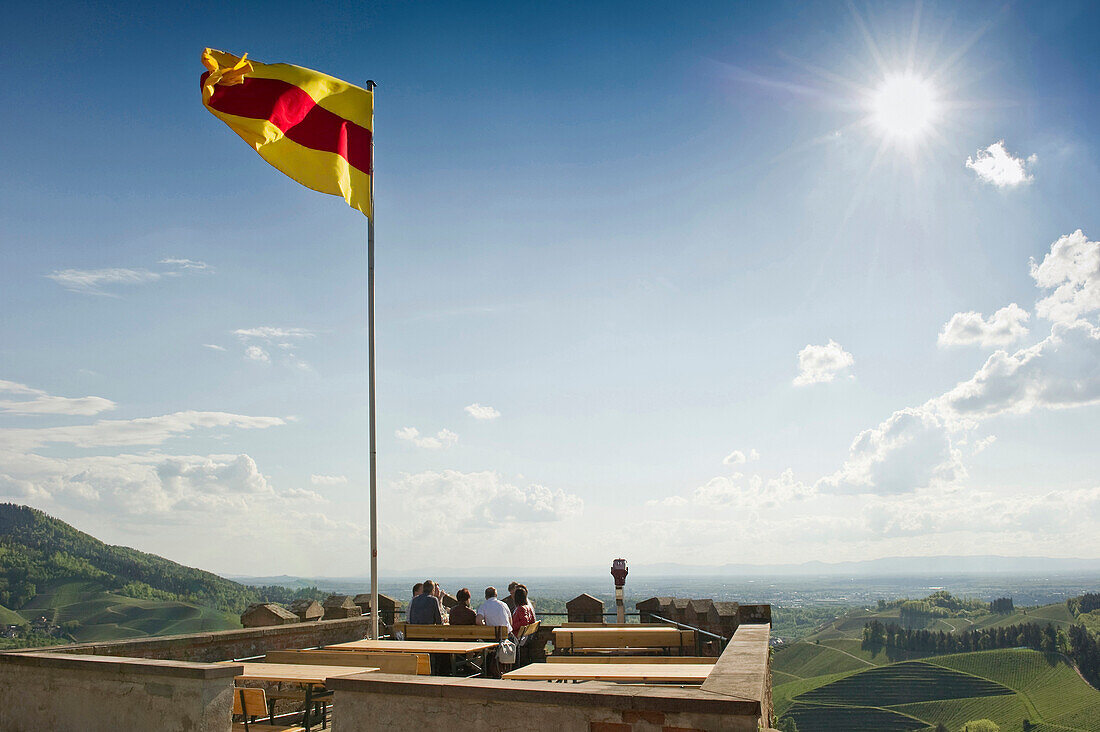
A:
[886,567]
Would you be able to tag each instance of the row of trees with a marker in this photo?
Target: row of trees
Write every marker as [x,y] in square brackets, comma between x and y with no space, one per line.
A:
[877,635]
[1077,643]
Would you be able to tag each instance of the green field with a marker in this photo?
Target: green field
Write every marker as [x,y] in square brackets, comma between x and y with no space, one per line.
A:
[1006,686]
[107,616]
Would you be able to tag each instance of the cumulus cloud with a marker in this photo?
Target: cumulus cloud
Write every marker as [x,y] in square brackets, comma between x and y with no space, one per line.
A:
[997,166]
[255,353]
[477,411]
[1001,328]
[443,438]
[1061,371]
[480,500]
[37,401]
[93,281]
[737,457]
[821,364]
[328,479]
[1072,268]
[911,450]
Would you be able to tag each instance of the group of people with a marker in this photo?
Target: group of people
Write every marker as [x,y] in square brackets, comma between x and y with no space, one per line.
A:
[513,612]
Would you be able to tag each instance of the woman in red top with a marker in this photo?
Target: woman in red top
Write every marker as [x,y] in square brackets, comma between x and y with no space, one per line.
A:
[524,614]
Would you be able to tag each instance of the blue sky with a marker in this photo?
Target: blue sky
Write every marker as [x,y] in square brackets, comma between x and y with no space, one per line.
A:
[618,227]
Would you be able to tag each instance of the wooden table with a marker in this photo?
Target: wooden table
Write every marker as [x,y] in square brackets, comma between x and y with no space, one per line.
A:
[637,637]
[645,673]
[452,649]
[297,673]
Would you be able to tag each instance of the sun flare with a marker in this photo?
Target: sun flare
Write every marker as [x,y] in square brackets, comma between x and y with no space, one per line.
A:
[904,106]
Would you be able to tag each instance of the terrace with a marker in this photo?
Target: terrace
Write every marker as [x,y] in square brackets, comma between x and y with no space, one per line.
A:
[186,683]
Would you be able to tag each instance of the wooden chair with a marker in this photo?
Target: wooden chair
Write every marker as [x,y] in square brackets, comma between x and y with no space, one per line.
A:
[252,703]
[525,634]
[387,663]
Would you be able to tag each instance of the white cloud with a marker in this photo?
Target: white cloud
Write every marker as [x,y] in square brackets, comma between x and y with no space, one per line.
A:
[996,165]
[42,403]
[255,353]
[213,347]
[121,432]
[1061,371]
[478,411]
[443,438]
[911,450]
[738,457]
[821,364]
[1072,267]
[734,458]
[328,479]
[1002,328]
[185,263]
[92,281]
[270,333]
[483,500]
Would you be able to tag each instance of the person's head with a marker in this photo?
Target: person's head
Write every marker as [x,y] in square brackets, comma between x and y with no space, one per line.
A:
[512,588]
[520,595]
[490,593]
[463,596]
[428,588]
[418,588]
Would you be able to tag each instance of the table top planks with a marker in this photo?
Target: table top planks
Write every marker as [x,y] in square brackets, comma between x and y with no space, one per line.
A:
[415,646]
[295,673]
[693,673]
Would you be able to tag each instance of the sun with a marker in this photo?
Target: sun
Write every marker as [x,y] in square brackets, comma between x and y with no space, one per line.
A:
[903,107]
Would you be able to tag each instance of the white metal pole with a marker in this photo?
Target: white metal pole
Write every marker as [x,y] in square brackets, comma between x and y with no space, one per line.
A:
[370,397]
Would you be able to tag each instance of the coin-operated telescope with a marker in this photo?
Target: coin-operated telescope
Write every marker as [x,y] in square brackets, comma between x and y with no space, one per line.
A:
[619,571]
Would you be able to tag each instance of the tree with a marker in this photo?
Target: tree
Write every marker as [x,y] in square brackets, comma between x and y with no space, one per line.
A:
[787,724]
[981,725]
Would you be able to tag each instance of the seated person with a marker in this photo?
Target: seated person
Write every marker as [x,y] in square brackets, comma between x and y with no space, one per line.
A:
[462,614]
[493,612]
[425,608]
[524,614]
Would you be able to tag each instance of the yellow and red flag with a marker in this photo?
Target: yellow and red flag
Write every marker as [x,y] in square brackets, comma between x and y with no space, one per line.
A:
[312,127]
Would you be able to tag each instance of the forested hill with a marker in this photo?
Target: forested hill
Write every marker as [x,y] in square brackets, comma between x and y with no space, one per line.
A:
[37,549]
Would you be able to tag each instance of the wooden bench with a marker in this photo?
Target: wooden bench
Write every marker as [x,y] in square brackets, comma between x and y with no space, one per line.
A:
[386,663]
[637,639]
[252,703]
[632,659]
[413,631]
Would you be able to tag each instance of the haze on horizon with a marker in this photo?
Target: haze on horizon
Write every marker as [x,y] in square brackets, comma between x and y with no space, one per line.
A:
[702,284]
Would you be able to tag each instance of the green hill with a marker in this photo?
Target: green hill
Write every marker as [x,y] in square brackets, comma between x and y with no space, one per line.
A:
[38,550]
[833,683]
[96,591]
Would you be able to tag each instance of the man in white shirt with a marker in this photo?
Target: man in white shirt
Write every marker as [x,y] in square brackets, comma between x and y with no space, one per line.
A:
[493,612]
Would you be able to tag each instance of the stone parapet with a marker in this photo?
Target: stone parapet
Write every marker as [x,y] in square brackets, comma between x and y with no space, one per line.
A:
[86,693]
[225,645]
[735,698]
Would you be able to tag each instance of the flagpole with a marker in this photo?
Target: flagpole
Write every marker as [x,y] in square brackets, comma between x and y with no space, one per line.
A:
[370,398]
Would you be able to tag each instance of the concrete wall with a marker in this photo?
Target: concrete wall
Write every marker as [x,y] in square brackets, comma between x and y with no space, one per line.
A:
[229,644]
[63,692]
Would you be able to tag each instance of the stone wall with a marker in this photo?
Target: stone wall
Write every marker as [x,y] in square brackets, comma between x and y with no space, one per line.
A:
[71,693]
[226,645]
[736,697]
